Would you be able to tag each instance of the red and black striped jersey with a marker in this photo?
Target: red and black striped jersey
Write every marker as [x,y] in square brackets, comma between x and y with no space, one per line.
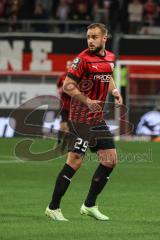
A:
[92,73]
[65,98]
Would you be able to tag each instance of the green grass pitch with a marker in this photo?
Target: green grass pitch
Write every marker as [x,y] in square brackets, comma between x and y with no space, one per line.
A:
[131,199]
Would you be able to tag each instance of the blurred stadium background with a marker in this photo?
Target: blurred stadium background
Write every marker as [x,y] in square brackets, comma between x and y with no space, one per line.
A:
[36,39]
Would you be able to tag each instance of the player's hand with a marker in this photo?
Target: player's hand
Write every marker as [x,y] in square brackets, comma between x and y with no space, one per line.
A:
[94,105]
[118,98]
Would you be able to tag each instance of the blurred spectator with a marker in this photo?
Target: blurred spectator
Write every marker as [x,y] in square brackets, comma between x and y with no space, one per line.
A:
[95,7]
[26,9]
[13,14]
[107,12]
[150,10]
[48,4]
[40,13]
[135,16]
[63,10]
[81,12]
[73,4]
[113,13]
[102,9]
[13,10]
[62,13]
[2,9]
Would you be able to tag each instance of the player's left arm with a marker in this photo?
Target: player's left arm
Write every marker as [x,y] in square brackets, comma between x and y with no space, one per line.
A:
[114,91]
[60,85]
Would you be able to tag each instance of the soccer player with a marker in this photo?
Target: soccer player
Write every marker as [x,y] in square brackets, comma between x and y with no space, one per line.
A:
[88,82]
[65,102]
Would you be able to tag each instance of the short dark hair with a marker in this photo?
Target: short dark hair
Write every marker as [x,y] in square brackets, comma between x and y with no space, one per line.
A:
[101,26]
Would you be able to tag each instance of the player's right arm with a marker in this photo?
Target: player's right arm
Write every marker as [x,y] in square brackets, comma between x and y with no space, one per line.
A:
[114,91]
[71,88]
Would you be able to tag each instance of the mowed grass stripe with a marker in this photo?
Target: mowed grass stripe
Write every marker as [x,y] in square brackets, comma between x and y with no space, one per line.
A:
[131,199]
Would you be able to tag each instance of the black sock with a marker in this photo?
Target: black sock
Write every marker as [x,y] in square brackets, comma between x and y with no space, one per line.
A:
[99,180]
[62,183]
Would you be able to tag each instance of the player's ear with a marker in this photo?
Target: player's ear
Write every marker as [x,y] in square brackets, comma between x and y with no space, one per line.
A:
[105,39]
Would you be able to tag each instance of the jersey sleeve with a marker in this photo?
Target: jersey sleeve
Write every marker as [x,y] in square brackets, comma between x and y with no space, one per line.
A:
[60,80]
[77,69]
[112,65]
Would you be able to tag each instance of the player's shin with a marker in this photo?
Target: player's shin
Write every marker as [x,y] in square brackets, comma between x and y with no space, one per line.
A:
[61,186]
[99,180]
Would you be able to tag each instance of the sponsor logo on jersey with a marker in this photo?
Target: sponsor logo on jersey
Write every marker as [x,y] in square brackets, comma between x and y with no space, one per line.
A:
[102,77]
[95,66]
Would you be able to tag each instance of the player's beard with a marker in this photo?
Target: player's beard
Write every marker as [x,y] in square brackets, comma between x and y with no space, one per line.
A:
[97,49]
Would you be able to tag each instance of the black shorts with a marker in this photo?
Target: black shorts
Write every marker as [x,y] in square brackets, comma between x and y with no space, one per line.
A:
[64,115]
[95,137]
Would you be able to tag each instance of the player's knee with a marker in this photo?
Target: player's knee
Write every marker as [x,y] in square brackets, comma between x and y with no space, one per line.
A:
[108,159]
[75,164]
[74,160]
[114,161]
[109,162]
